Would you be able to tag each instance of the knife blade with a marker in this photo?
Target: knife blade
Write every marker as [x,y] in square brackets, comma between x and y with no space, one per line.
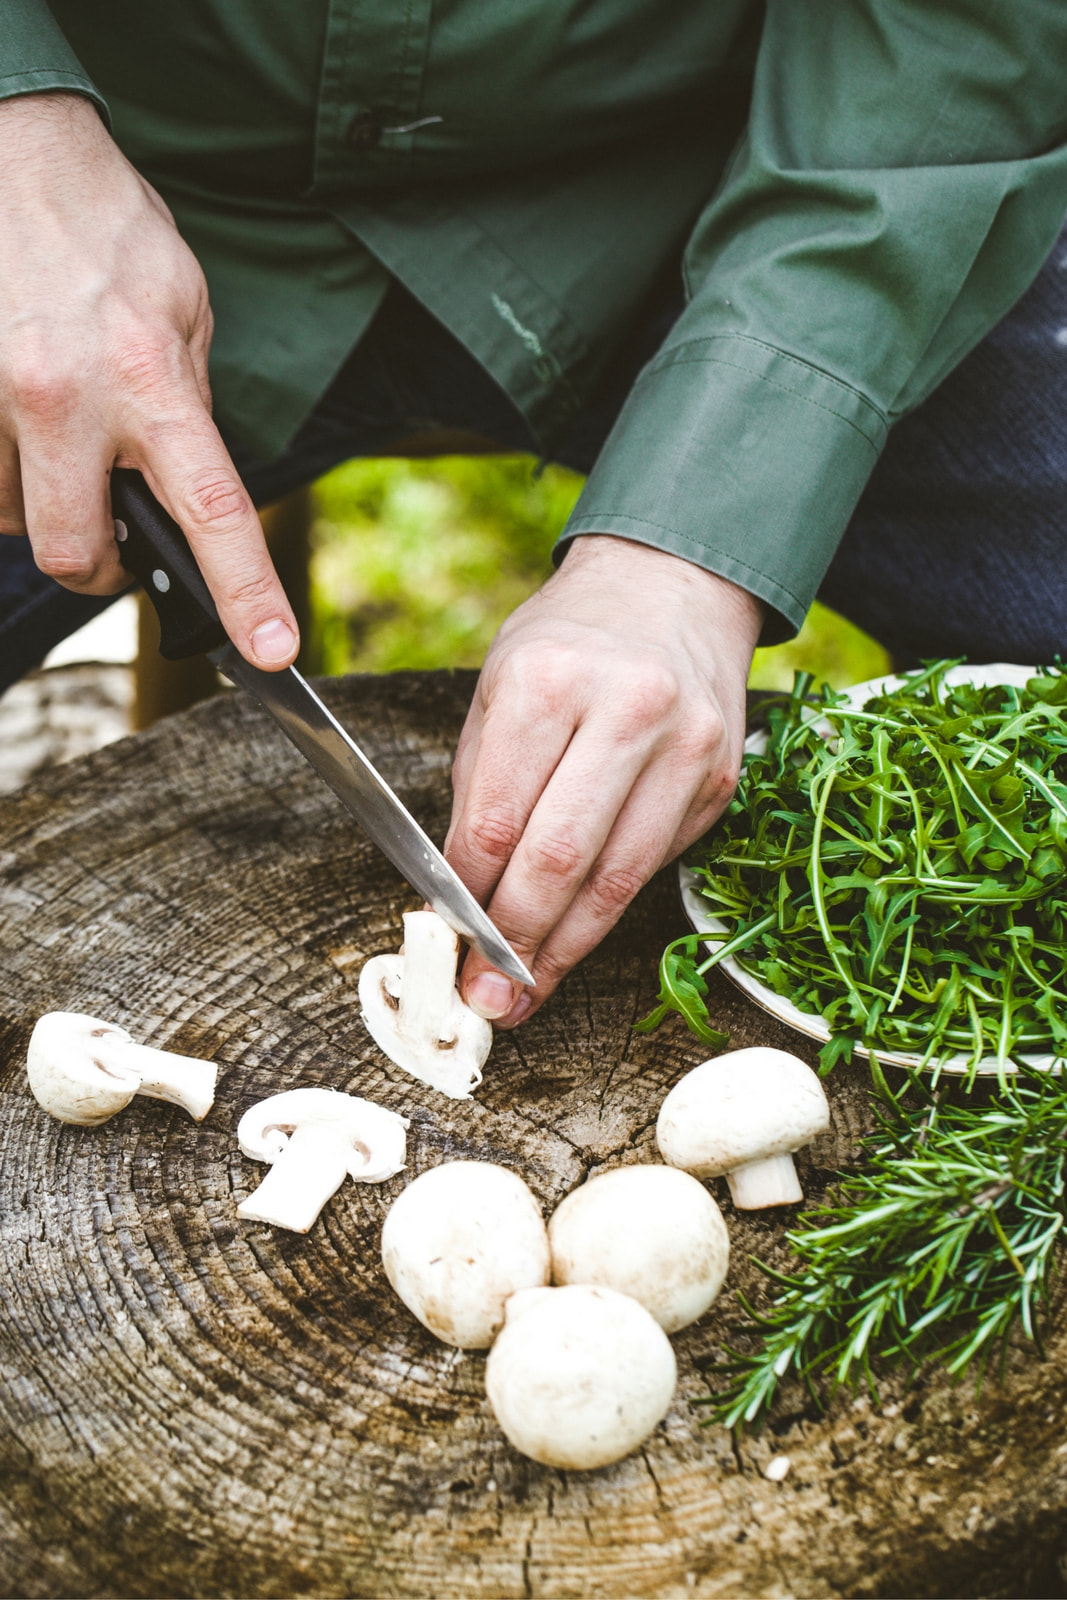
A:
[153,548]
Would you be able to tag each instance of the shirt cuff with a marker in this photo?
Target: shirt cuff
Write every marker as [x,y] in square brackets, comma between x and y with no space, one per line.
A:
[742,459]
[35,57]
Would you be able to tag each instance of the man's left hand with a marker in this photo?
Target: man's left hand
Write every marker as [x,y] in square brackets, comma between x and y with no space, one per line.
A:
[606,735]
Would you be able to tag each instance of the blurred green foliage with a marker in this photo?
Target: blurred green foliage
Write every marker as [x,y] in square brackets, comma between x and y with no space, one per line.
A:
[417,563]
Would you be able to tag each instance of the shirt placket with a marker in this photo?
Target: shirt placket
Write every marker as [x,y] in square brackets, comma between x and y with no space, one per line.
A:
[370,95]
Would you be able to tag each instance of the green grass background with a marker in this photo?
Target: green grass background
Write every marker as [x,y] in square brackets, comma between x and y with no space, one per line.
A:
[416,564]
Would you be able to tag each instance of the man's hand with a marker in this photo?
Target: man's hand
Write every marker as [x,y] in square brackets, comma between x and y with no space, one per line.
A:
[104,335]
[605,736]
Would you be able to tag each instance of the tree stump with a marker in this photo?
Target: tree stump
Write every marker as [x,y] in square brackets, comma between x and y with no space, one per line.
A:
[195,1406]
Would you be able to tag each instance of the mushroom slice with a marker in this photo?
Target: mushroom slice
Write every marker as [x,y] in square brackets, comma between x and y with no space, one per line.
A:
[579,1376]
[314,1139]
[743,1114]
[83,1070]
[413,1011]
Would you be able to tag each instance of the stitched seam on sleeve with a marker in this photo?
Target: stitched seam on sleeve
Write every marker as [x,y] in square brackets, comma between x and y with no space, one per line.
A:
[697,544]
[736,366]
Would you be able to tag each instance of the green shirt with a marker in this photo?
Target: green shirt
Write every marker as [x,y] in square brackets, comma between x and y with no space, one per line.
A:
[862,188]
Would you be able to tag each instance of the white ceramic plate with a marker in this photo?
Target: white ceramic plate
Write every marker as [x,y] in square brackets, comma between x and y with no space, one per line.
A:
[807,1022]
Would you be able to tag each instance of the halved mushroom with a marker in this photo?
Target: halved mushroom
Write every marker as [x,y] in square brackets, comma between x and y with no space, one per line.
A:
[743,1114]
[315,1138]
[83,1070]
[413,1011]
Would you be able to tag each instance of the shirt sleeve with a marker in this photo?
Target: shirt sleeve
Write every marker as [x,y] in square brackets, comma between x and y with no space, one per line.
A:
[901,181]
[35,57]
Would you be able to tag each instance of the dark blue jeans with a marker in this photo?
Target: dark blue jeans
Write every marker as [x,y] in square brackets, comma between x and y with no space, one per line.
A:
[958,546]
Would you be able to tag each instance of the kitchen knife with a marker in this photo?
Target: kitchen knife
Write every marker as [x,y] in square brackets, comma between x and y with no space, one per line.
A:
[153,548]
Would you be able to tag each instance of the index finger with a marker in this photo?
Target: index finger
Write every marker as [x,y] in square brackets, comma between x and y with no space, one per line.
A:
[189,470]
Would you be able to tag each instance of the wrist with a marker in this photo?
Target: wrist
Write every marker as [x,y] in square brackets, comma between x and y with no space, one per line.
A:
[644,569]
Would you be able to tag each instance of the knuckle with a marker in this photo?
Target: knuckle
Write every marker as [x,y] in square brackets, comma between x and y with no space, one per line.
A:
[143,364]
[218,502]
[68,566]
[42,390]
[495,833]
[652,694]
[610,888]
[557,854]
[251,591]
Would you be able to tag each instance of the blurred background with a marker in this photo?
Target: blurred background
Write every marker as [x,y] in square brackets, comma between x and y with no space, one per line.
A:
[392,564]
[417,563]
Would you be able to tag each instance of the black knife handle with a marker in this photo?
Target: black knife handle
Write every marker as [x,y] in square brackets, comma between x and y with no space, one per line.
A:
[153,547]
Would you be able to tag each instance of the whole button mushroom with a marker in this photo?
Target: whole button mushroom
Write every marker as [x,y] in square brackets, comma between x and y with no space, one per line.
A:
[314,1140]
[650,1232]
[413,1011]
[579,1376]
[83,1070]
[458,1241]
[743,1114]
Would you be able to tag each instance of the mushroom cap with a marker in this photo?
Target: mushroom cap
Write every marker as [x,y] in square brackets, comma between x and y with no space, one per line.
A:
[377,1136]
[457,1242]
[650,1232]
[740,1107]
[579,1376]
[66,1078]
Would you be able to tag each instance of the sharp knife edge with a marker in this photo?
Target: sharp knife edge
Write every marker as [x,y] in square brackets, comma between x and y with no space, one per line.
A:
[339,761]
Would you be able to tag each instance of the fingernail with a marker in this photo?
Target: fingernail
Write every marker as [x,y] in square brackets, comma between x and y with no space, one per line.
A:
[522,1007]
[273,641]
[491,995]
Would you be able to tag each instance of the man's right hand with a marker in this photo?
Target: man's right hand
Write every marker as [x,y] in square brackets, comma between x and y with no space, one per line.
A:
[104,334]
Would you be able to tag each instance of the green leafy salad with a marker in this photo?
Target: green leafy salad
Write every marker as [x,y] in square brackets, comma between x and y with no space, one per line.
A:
[899,870]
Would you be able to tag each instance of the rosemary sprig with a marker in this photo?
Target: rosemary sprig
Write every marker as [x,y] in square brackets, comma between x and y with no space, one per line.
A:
[904,878]
[936,1249]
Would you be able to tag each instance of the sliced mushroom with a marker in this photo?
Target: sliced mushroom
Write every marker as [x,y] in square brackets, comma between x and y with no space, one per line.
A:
[743,1114]
[413,1011]
[314,1139]
[579,1375]
[83,1070]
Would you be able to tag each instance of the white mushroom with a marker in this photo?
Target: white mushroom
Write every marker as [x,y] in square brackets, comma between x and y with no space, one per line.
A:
[579,1376]
[651,1232]
[82,1070]
[458,1241]
[413,1011]
[315,1138]
[743,1114]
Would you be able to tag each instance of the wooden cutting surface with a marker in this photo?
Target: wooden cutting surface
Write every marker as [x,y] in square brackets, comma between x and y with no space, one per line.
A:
[194,1406]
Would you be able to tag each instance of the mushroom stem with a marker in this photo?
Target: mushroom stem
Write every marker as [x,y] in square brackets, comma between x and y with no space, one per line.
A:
[310,1169]
[428,991]
[769,1182]
[184,1081]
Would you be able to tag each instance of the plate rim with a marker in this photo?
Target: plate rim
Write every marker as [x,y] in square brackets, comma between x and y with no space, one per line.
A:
[808,1023]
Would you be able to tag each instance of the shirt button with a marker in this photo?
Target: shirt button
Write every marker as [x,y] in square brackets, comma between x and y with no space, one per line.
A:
[364,132]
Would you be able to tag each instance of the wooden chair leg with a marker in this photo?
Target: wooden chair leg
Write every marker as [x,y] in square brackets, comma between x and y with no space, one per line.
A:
[162,687]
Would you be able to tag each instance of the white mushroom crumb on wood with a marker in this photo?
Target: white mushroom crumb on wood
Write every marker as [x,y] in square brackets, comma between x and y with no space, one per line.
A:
[743,1115]
[314,1139]
[579,1376]
[414,1013]
[83,1070]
